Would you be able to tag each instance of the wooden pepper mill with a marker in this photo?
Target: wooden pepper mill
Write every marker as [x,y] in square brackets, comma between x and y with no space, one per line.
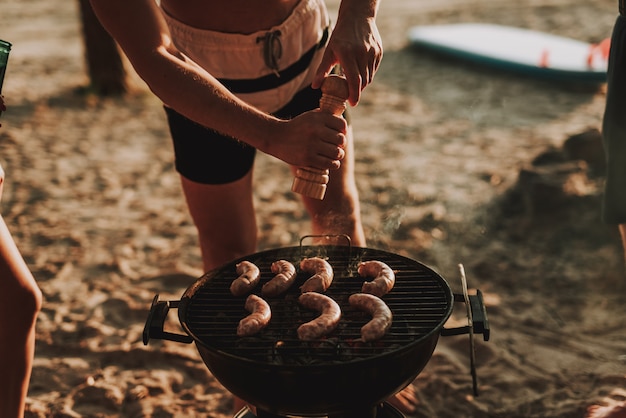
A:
[309,181]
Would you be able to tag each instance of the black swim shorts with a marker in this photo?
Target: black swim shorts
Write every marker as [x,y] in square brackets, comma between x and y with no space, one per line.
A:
[205,156]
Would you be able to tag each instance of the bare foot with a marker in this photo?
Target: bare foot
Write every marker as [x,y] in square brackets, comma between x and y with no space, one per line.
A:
[613,410]
[406,400]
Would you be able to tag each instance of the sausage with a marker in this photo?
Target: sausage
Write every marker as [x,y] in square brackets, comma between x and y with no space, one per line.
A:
[384,277]
[322,274]
[323,324]
[378,309]
[285,276]
[249,277]
[260,315]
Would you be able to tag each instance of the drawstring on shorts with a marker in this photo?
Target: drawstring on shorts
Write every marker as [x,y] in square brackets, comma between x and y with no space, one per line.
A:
[272,50]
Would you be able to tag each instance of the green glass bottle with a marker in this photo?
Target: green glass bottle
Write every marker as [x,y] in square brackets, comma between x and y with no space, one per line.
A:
[5,48]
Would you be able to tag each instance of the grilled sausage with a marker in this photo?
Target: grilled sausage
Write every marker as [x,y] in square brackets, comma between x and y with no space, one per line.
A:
[249,277]
[260,315]
[323,324]
[381,315]
[285,276]
[322,274]
[384,277]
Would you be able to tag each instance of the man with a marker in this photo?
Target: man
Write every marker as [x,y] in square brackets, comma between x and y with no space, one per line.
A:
[238,76]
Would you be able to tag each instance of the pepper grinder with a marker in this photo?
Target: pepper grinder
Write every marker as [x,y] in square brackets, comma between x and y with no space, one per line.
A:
[310,181]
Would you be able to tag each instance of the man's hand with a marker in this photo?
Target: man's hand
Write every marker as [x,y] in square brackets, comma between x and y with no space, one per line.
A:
[355,44]
[313,139]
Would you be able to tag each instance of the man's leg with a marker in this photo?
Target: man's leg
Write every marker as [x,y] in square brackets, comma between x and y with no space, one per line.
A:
[226,222]
[225,219]
[340,213]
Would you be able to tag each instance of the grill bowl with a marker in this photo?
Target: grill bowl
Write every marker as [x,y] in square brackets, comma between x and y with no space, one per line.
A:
[276,372]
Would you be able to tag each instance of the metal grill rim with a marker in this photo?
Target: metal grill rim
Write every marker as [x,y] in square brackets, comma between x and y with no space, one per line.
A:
[421,302]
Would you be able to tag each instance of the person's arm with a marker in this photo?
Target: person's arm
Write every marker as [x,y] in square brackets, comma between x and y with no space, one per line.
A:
[138,26]
[355,44]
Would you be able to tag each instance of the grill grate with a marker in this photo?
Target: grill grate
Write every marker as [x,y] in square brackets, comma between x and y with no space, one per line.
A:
[420,301]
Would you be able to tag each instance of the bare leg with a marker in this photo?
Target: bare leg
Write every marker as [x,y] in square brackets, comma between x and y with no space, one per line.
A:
[20,302]
[225,219]
[340,213]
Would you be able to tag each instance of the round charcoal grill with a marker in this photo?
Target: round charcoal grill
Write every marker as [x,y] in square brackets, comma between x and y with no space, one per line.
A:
[338,375]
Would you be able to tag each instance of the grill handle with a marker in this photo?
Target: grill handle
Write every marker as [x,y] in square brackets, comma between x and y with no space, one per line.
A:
[156,321]
[480,323]
[476,322]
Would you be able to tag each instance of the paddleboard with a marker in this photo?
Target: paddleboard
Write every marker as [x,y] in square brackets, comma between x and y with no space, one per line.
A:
[525,51]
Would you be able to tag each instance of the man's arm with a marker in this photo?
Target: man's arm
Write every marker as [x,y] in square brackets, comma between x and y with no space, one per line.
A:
[140,29]
[355,45]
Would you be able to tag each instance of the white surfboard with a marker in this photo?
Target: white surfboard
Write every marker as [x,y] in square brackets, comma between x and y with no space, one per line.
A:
[515,49]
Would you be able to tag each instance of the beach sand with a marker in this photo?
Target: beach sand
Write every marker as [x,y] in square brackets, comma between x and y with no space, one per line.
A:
[95,206]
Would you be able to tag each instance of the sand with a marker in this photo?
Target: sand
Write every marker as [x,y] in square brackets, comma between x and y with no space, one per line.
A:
[96,208]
